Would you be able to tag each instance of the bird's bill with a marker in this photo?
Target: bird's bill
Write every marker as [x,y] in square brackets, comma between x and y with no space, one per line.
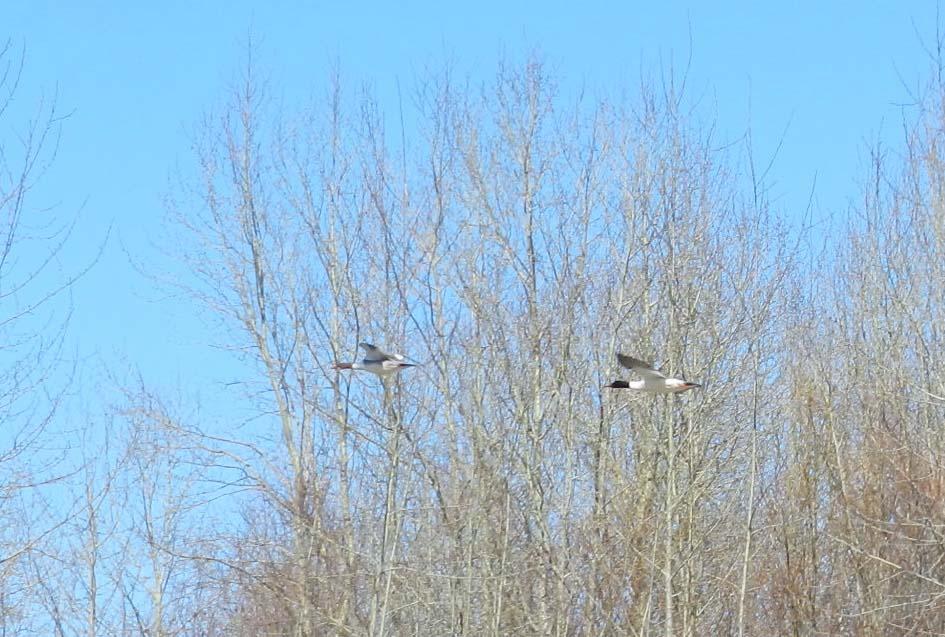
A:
[692,385]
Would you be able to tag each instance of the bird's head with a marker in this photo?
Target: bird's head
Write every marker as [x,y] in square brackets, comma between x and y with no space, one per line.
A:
[618,384]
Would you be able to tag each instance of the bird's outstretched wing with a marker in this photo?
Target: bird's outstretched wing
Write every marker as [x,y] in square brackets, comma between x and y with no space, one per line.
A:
[372,353]
[643,369]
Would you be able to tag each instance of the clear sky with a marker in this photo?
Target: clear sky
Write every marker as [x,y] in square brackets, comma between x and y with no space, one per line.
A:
[828,76]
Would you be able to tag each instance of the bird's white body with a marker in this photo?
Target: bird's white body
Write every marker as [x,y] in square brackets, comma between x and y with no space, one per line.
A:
[660,386]
[381,368]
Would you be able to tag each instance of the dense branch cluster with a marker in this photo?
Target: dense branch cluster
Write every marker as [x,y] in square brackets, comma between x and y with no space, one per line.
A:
[510,243]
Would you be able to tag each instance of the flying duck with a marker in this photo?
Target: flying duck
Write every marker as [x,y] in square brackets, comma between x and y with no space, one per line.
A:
[376,361]
[653,381]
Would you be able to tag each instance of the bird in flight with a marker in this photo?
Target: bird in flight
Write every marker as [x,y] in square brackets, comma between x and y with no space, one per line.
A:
[376,361]
[653,381]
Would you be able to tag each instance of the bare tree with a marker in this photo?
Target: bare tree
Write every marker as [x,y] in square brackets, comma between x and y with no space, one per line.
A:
[510,243]
[34,311]
[512,248]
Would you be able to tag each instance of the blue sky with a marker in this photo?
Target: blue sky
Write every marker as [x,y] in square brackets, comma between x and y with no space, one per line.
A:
[829,77]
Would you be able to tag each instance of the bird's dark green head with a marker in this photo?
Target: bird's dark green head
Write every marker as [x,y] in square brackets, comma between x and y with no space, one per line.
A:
[618,384]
